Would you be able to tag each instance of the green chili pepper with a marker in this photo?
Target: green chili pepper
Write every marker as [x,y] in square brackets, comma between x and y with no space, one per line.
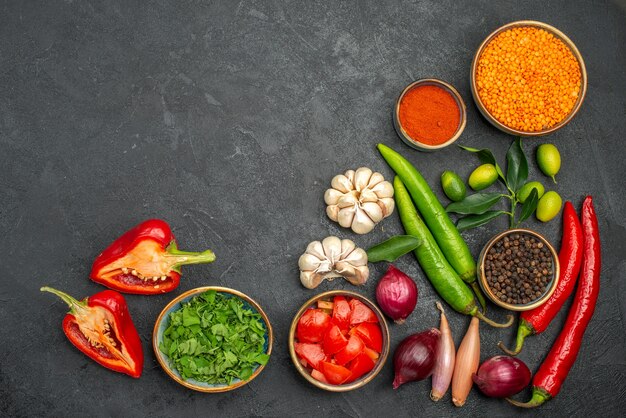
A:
[448,238]
[392,249]
[436,267]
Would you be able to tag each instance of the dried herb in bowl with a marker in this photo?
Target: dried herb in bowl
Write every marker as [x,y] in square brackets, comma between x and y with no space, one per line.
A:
[215,338]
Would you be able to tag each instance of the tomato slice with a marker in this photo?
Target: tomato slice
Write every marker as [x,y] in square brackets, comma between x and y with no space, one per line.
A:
[370,334]
[315,374]
[361,313]
[360,366]
[312,326]
[354,348]
[334,373]
[371,353]
[312,353]
[334,341]
[341,313]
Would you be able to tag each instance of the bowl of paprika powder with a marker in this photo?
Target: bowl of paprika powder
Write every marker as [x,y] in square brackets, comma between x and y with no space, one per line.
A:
[429,114]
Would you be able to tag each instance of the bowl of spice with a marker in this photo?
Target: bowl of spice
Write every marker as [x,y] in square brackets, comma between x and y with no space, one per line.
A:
[429,114]
[518,269]
[212,339]
[528,78]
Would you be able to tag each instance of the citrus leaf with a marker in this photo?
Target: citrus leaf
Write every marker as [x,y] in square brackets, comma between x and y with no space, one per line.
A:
[473,221]
[393,248]
[530,204]
[517,166]
[475,204]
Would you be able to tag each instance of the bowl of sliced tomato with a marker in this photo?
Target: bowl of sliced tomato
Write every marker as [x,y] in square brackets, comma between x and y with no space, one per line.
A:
[339,340]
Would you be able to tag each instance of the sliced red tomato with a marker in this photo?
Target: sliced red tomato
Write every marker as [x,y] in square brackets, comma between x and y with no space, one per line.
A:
[370,334]
[360,366]
[312,326]
[334,373]
[315,374]
[371,353]
[313,354]
[334,341]
[341,313]
[354,348]
[361,313]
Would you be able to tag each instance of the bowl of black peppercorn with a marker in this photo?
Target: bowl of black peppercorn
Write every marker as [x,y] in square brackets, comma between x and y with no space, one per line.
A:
[518,269]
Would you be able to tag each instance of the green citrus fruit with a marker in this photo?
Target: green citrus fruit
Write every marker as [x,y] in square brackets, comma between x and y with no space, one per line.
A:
[549,206]
[548,160]
[483,177]
[524,192]
[453,186]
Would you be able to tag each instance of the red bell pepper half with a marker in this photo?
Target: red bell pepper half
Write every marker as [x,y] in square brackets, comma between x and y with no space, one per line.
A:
[145,260]
[101,327]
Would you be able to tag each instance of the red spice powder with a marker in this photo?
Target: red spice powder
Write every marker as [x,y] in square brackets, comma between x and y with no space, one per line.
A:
[429,114]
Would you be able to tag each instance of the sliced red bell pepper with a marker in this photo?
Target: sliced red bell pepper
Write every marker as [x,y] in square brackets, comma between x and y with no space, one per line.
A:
[370,334]
[371,353]
[145,260]
[315,374]
[354,348]
[334,373]
[312,353]
[312,326]
[334,340]
[360,366]
[341,313]
[361,313]
[101,327]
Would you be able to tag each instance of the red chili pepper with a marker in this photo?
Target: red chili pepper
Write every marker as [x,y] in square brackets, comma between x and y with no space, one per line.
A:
[554,369]
[145,260]
[535,321]
[101,327]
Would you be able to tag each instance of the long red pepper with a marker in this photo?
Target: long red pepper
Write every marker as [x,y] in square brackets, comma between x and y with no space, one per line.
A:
[145,260]
[535,321]
[554,369]
[101,327]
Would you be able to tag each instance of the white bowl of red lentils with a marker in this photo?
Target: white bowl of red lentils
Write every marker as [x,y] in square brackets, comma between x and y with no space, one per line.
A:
[528,78]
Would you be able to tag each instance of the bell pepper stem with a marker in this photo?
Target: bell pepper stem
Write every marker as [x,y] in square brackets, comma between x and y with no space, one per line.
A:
[523,330]
[189,257]
[75,305]
[539,398]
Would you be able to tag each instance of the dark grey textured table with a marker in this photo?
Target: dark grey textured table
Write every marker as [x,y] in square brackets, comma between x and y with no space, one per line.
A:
[229,120]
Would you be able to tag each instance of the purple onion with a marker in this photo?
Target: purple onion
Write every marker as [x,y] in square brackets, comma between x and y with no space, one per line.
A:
[396,294]
[502,376]
[415,357]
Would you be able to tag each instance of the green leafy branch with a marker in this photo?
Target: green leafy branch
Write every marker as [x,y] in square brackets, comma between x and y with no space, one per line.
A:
[476,209]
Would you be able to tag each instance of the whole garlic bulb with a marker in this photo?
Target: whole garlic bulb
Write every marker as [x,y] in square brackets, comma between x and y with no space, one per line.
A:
[359,199]
[333,257]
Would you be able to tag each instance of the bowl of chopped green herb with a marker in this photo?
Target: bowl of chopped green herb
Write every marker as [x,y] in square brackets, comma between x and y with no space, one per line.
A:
[212,339]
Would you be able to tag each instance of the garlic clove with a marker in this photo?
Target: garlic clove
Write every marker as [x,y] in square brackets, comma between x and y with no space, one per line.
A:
[375,179]
[384,189]
[332,212]
[310,280]
[315,248]
[361,178]
[357,258]
[347,246]
[308,262]
[341,183]
[368,196]
[350,176]
[346,216]
[361,224]
[362,273]
[347,200]
[372,210]
[387,205]
[332,247]
[332,196]
[355,275]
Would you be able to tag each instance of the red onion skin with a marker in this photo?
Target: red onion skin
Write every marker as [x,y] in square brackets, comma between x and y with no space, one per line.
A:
[444,363]
[502,376]
[396,294]
[414,359]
